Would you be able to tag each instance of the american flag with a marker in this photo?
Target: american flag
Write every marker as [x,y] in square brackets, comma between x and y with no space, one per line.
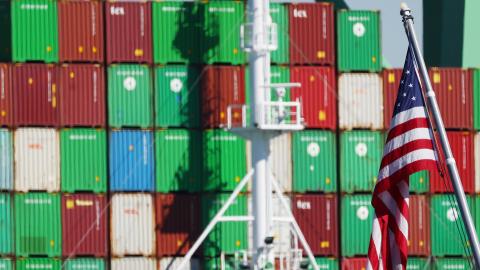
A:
[409,148]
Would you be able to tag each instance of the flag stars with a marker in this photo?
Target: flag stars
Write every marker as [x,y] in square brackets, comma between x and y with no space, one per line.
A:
[401,81]
[398,105]
[410,85]
[408,71]
[414,98]
[404,94]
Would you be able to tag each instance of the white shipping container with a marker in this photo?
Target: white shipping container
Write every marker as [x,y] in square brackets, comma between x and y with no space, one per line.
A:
[360,99]
[132,225]
[477,162]
[37,162]
[134,263]
[172,263]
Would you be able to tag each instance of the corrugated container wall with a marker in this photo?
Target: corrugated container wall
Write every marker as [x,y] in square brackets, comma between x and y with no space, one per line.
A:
[83,154]
[317,217]
[419,226]
[35,96]
[38,263]
[391,83]
[177,96]
[37,160]
[462,145]
[476,99]
[6,264]
[34,30]
[80,29]
[358,41]
[314,161]
[454,91]
[360,157]
[6,95]
[82,95]
[131,161]
[317,94]
[452,263]
[178,160]
[6,30]
[357,217]
[354,263]
[361,101]
[312,34]
[6,160]
[134,263]
[172,263]
[84,225]
[418,263]
[132,230]
[38,225]
[177,223]
[84,264]
[327,263]
[280,161]
[129,31]
[279,14]
[221,263]
[130,96]
[6,225]
[477,162]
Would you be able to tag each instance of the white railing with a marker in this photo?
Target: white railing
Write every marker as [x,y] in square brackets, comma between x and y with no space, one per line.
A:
[250,42]
[282,115]
[230,121]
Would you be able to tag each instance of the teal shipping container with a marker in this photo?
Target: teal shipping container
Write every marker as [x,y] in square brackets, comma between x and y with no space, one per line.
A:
[6,264]
[6,160]
[6,225]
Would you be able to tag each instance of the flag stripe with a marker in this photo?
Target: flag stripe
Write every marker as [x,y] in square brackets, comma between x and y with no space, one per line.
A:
[405,149]
[404,127]
[400,118]
[409,136]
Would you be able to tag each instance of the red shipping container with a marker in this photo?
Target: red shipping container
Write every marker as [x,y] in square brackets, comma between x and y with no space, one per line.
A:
[354,263]
[82,95]
[222,86]
[84,225]
[312,33]
[6,113]
[129,32]
[80,31]
[177,217]
[454,91]
[391,82]
[419,226]
[318,95]
[35,96]
[461,143]
[317,217]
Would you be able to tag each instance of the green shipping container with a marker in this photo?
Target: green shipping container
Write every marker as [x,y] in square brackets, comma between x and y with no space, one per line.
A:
[222,32]
[414,263]
[6,226]
[38,263]
[129,96]
[279,14]
[38,224]
[178,160]
[325,263]
[84,160]
[357,217]
[224,157]
[420,182]
[447,227]
[278,74]
[177,96]
[314,161]
[225,263]
[227,237]
[360,157]
[6,30]
[34,30]
[476,99]
[358,39]
[84,264]
[6,264]
[452,263]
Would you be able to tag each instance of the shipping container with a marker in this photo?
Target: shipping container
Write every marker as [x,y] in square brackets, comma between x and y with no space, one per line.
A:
[35,96]
[452,263]
[34,30]
[477,161]
[222,263]
[6,30]
[357,219]
[476,98]
[391,83]
[129,31]
[447,229]
[172,263]
[222,86]
[6,160]
[354,263]
[358,41]
[83,154]
[324,263]
[317,217]
[84,225]
[279,15]
[221,40]
[38,229]
[226,237]
[312,34]
[281,161]
[419,226]
[224,160]
[38,263]
[454,91]
[360,157]
[318,95]
[134,263]
[418,263]
[80,30]
[6,94]
[37,159]
[84,264]
[132,230]
[177,96]
[420,182]
[129,96]
[178,160]
[314,161]
[6,264]
[462,145]
[82,95]
[361,101]
[6,225]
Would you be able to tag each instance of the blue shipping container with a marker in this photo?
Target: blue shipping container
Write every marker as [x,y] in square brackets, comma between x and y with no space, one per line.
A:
[131,161]
[6,226]
[6,160]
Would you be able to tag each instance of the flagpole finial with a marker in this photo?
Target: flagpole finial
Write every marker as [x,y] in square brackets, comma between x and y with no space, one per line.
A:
[403,6]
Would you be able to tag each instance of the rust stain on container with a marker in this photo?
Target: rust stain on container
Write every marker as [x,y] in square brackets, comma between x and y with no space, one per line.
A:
[6,92]
[84,219]
[82,95]
[391,82]
[222,86]
[36,95]
[129,31]
[312,33]
[354,263]
[80,27]
[419,226]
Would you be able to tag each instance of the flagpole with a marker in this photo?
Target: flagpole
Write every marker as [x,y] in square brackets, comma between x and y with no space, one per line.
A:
[450,161]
